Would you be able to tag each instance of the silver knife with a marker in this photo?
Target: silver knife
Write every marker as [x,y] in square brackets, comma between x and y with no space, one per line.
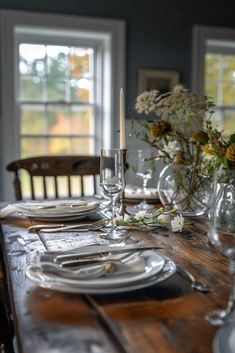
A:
[99,251]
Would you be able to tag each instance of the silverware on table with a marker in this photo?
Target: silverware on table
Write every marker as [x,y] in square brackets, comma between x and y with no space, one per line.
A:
[97,268]
[54,228]
[94,251]
[195,284]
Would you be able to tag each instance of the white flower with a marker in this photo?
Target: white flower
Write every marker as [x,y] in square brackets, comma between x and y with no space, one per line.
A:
[145,102]
[140,215]
[177,223]
[171,147]
[164,218]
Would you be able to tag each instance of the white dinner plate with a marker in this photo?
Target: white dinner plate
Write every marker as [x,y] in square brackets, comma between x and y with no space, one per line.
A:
[52,282]
[224,340]
[58,210]
[136,194]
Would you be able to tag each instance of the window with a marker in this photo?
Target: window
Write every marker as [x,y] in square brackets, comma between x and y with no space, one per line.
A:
[220,82]
[61,85]
[56,100]
[214,72]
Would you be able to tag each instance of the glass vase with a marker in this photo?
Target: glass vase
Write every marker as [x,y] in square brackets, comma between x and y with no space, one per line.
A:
[182,188]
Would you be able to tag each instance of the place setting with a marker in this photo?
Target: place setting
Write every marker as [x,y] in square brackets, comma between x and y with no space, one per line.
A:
[96,271]
[111,263]
[54,210]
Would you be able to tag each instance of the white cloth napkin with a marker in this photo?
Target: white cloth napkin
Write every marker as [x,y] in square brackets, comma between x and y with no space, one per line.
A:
[107,268]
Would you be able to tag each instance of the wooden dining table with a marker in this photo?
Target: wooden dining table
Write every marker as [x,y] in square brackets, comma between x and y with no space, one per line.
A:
[168,317]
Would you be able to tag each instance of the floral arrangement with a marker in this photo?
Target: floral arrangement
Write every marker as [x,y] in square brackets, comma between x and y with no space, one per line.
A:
[159,218]
[181,121]
[179,128]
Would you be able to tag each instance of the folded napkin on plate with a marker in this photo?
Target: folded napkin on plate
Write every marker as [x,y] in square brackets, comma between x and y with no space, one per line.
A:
[106,268]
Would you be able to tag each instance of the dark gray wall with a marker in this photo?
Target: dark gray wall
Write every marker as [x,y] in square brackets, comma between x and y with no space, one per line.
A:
[159,33]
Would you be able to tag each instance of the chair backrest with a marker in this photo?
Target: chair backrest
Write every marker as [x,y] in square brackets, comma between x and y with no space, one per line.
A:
[74,170]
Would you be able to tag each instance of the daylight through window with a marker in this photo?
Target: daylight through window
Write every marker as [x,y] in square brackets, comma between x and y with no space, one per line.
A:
[56,95]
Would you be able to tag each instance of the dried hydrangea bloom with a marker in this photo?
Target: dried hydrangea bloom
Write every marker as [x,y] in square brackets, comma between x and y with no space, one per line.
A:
[145,102]
[184,110]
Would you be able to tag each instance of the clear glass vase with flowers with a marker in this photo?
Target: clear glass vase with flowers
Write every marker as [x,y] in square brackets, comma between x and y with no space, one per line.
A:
[179,129]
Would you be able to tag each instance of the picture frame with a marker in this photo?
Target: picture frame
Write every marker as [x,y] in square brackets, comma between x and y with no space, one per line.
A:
[161,80]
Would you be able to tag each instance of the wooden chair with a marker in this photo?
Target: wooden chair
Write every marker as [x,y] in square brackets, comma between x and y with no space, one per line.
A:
[50,169]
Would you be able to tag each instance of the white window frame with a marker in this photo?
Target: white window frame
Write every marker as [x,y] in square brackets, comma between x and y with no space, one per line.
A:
[200,36]
[111,37]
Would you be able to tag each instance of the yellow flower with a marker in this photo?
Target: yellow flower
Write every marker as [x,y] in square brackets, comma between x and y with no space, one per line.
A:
[208,149]
[160,128]
[230,153]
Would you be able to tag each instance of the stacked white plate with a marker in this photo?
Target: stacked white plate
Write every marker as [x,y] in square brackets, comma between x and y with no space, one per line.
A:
[136,193]
[156,268]
[57,209]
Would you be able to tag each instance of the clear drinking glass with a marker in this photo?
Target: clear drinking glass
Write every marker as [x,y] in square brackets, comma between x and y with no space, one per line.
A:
[144,170]
[222,236]
[112,181]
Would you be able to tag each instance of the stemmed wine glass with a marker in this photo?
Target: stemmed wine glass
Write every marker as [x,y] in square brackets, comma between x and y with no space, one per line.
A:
[222,236]
[144,170]
[112,181]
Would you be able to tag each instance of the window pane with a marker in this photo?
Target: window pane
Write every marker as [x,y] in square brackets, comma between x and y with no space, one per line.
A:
[58,145]
[211,67]
[81,61]
[58,120]
[229,122]
[57,61]
[217,120]
[229,92]
[33,120]
[229,67]
[224,120]
[31,88]
[211,90]
[32,147]
[82,146]
[56,90]
[82,120]
[70,120]
[32,59]
[81,90]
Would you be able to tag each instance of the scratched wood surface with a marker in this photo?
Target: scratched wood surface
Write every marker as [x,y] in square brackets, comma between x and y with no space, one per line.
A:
[168,317]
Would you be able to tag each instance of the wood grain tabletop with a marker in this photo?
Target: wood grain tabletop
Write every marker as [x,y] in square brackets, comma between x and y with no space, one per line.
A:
[164,318]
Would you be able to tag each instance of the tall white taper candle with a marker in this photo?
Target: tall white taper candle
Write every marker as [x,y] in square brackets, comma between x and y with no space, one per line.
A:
[122,121]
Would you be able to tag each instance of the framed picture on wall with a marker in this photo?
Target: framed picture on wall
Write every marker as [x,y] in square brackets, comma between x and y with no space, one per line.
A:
[162,80]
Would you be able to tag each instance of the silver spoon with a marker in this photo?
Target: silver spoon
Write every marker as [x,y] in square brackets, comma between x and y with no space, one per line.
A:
[195,284]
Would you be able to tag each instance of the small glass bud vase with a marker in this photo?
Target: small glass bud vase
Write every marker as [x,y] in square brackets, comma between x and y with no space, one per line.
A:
[183,188]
